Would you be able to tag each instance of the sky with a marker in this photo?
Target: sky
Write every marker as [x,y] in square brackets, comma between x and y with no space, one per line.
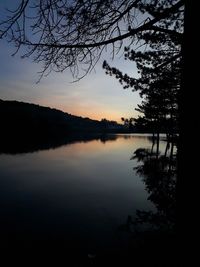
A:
[96,96]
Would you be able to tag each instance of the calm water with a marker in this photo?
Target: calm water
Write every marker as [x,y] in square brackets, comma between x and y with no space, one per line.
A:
[76,195]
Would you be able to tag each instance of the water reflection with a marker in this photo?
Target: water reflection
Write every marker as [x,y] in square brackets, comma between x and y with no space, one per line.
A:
[33,144]
[158,173]
[68,202]
[155,231]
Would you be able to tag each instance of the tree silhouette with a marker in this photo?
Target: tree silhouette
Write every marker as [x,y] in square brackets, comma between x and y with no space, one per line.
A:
[160,106]
[64,34]
[128,123]
[160,65]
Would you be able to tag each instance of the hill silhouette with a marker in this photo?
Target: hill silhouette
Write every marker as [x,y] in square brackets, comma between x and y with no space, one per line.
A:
[26,120]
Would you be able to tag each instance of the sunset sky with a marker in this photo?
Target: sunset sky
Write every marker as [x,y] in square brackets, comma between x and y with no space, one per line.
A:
[96,96]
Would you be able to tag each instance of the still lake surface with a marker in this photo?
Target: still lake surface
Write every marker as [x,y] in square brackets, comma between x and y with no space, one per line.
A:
[77,194]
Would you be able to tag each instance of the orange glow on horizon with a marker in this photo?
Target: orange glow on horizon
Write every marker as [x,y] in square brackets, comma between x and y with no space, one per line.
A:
[98,115]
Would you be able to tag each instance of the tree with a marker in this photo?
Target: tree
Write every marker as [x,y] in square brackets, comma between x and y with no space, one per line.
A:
[160,106]
[128,123]
[160,66]
[66,34]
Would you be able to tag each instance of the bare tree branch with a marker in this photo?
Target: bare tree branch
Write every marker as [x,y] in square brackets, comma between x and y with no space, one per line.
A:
[64,34]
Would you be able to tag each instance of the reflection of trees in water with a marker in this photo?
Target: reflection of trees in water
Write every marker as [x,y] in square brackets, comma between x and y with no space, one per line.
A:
[33,143]
[152,235]
[38,143]
[158,172]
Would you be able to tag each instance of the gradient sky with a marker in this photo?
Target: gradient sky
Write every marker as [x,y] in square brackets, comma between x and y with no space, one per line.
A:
[96,96]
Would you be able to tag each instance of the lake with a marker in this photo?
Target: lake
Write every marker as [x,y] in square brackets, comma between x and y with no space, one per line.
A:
[74,197]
